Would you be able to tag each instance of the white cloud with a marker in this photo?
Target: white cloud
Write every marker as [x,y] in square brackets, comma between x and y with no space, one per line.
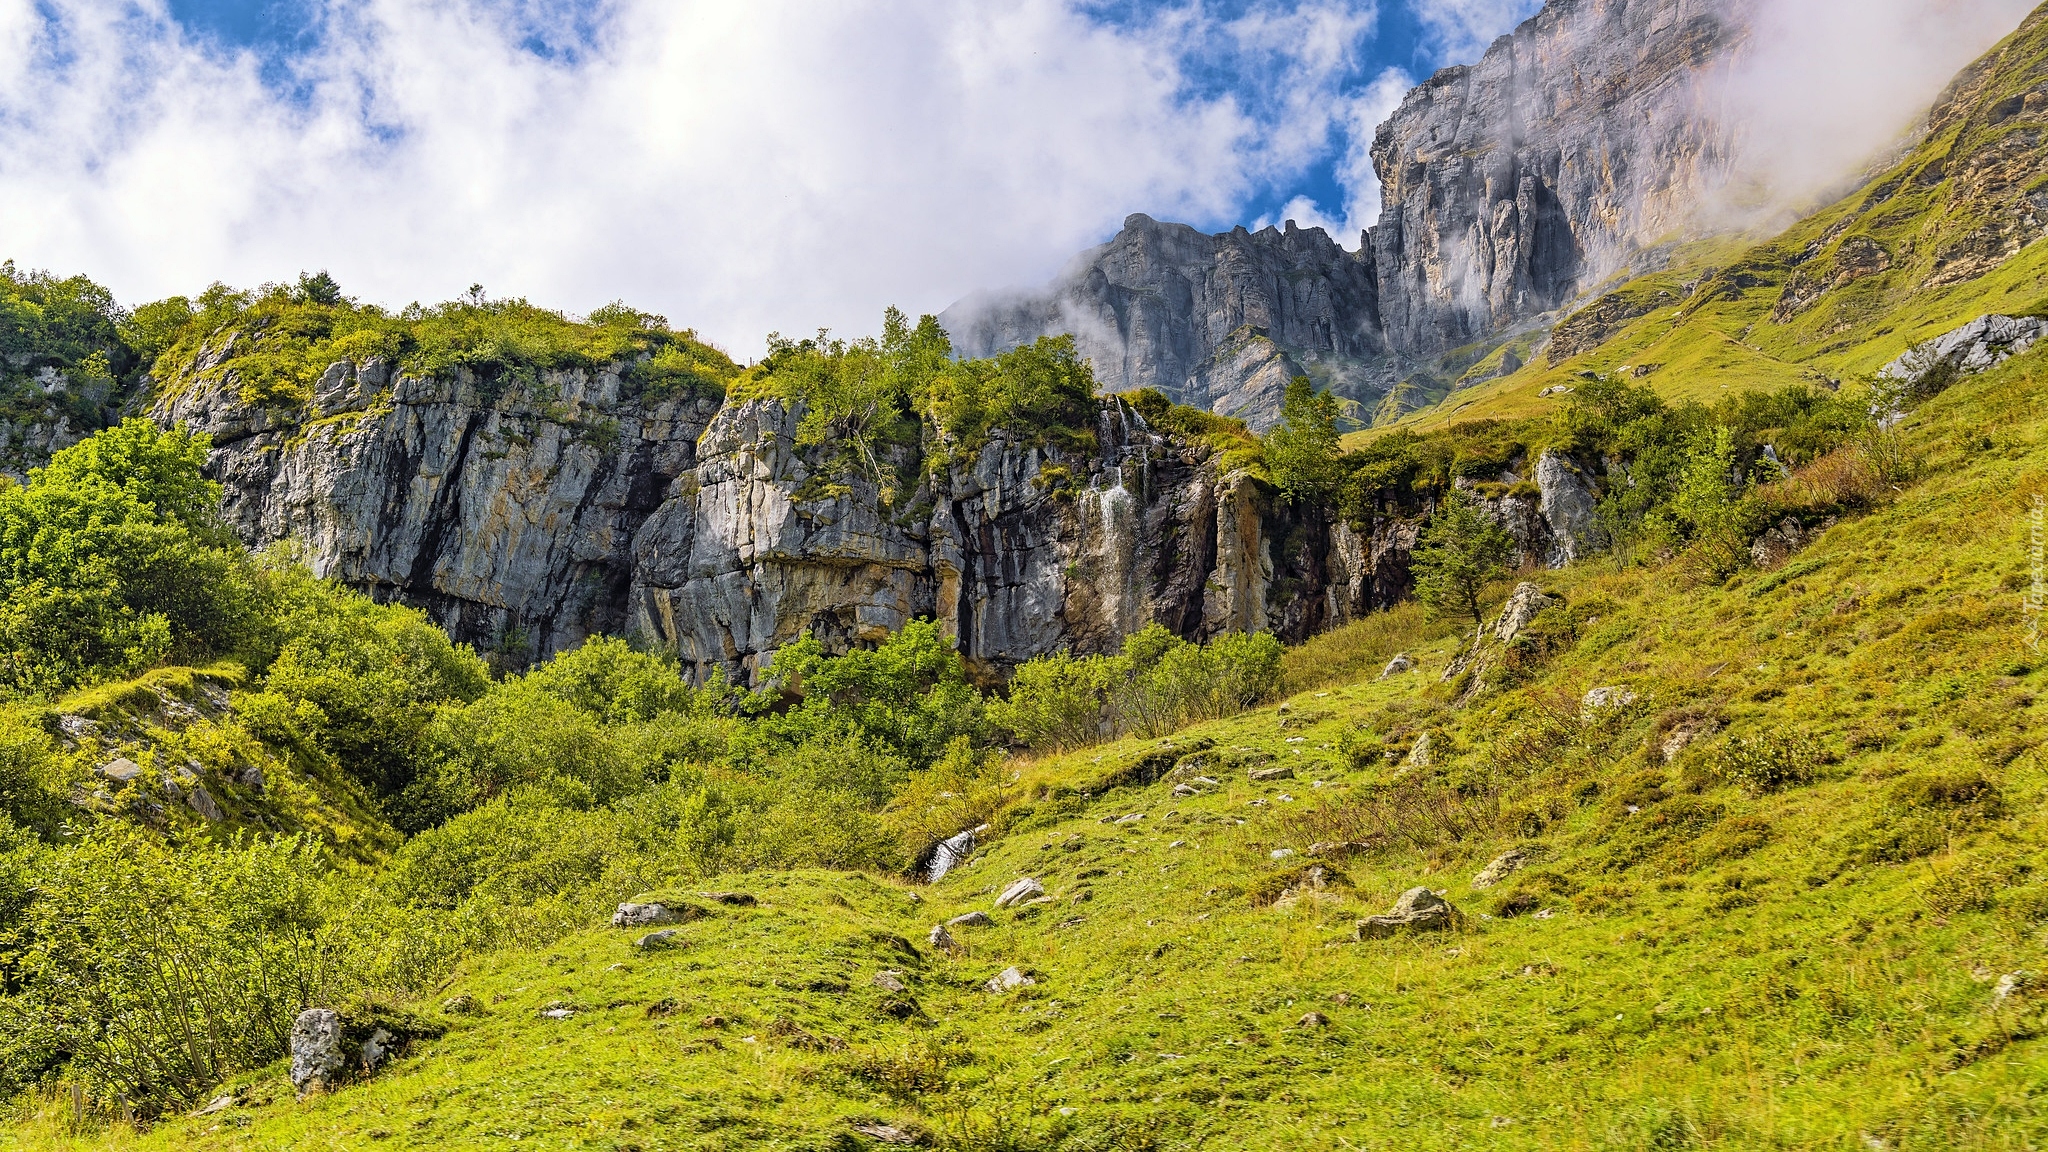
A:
[740,168]
[1460,30]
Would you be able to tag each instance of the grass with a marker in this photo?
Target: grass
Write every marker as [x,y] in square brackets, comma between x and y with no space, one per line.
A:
[1751,959]
[1972,175]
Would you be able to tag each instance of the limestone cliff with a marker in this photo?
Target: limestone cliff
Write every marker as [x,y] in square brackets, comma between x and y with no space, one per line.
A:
[1215,321]
[1509,187]
[525,519]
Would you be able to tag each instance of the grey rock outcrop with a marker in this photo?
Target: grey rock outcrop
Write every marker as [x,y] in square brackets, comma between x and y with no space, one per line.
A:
[1978,346]
[1418,910]
[525,519]
[1024,889]
[1219,321]
[1509,187]
[630,915]
[950,854]
[318,1056]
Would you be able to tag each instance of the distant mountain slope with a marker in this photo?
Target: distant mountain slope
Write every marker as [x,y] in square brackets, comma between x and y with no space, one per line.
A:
[1946,234]
[1510,186]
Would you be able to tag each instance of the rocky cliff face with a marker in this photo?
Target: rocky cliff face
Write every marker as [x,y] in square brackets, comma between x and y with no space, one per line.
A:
[524,520]
[1509,187]
[1512,185]
[1220,321]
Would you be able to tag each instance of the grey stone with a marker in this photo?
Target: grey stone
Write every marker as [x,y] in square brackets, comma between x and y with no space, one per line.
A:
[655,941]
[950,854]
[1608,696]
[1024,889]
[971,920]
[376,1049]
[202,802]
[1402,662]
[1982,344]
[1422,754]
[462,1004]
[2013,984]
[1522,606]
[941,939]
[251,778]
[318,1059]
[1418,910]
[630,915]
[121,769]
[1501,867]
[889,980]
[1009,980]
[1263,774]
[1567,503]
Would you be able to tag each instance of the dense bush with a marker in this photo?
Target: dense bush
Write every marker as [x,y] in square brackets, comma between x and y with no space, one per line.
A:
[1156,684]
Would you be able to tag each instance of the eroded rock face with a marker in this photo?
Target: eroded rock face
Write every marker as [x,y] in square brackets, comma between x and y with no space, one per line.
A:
[1218,321]
[1513,184]
[524,520]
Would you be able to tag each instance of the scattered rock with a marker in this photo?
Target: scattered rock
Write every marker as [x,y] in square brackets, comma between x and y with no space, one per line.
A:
[1422,755]
[1402,662]
[1608,697]
[1981,344]
[889,980]
[318,1059]
[647,915]
[1339,849]
[2013,984]
[219,1104]
[1545,913]
[1777,545]
[662,1007]
[1258,774]
[886,1133]
[1418,910]
[1022,890]
[462,1005]
[251,778]
[655,941]
[77,727]
[1131,818]
[971,920]
[376,1049]
[1313,1020]
[1282,853]
[557,1011]
[121,769]
[202,802]
[940,938]
[950,854]
[1503,866]
[1555,390]
[1009,980]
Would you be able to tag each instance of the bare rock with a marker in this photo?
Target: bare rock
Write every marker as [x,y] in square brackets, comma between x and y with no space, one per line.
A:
[1608,697]
[655,941]
[318,1057]
[1010,979]
[630,915]
[1402,662]
[1263,774]
[121,770]
[1521,608]
[941,939]
[1024,889]
[889,980]
[950,854]
[1418,910]
[1501,867]
[202,802]
[971,920]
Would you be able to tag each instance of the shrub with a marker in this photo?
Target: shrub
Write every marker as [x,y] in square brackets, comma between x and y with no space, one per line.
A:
[161,973]
[1770,761]
[1456,554]
[1056,701]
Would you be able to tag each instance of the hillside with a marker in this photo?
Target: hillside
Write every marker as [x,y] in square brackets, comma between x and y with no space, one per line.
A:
[1782,890]
[1936,239]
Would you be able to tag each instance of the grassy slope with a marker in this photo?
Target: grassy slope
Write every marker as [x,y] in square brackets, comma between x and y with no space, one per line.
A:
[1688,991]
[1973,177]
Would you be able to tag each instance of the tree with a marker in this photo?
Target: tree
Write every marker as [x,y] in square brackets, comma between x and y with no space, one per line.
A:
[1302,453]
[1459,550]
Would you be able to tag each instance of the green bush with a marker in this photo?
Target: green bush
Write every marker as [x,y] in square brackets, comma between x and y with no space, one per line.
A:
[158,973]
[1769,761]
[1155,685]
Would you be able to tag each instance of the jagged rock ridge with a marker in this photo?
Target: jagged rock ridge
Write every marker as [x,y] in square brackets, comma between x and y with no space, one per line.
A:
[1509,187]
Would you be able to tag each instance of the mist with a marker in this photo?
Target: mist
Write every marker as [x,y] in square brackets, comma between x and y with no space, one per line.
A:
[1826,88]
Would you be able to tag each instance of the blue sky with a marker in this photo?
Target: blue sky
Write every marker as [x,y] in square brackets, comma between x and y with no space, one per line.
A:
[1409,37]
[742,166]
